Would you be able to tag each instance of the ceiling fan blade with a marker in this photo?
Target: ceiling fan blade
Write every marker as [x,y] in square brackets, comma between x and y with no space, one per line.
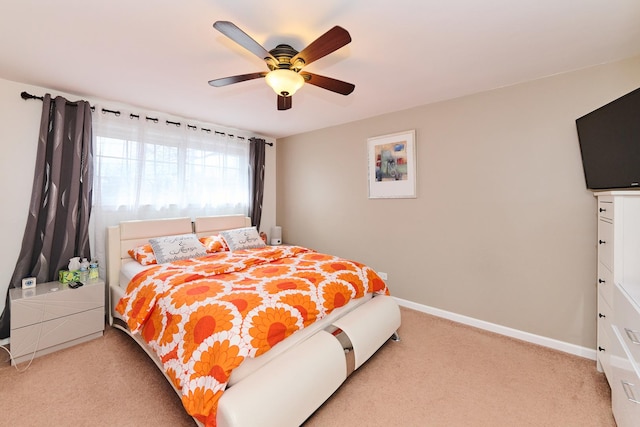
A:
[284,102]
[337,86]
[235,79]
[329,42]
[230,30]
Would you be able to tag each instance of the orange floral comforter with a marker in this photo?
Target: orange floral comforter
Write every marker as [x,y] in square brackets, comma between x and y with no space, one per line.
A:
[204,316]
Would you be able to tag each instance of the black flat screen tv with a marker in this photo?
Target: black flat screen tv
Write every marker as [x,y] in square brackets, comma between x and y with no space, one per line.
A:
[610,144]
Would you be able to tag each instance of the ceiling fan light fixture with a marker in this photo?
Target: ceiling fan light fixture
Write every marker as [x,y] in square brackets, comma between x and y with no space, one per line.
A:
[284,82]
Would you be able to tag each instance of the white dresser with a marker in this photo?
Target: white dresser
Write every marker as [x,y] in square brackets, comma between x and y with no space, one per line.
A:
[52,316]
[618,352]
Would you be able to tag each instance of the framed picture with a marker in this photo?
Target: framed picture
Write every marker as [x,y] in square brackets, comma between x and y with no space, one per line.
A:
[392,165]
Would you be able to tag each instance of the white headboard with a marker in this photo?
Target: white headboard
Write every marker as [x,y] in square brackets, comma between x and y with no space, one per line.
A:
[209,225]
[129,234]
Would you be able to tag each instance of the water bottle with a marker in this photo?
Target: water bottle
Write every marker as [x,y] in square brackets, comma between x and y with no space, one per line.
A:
[84,270]
[93,269]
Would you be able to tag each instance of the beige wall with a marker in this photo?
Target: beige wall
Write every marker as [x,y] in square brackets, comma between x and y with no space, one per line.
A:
[503,229]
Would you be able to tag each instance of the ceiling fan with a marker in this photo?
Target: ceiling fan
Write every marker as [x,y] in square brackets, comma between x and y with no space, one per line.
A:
[285,63]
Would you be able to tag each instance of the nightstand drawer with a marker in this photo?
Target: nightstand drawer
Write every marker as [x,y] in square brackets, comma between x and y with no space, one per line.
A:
[47,305]
[56,333]
[53,316]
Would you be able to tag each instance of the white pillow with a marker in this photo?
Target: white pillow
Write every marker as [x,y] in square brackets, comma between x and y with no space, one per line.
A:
[174,248]
[243,238]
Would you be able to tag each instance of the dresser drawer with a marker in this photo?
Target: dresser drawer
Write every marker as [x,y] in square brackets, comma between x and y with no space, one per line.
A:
[625,384]
[605,208]
[628,322]
[605,243]
[604,346]
[605,283]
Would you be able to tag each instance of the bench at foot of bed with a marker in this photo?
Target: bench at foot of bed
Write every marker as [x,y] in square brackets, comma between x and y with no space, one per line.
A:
[288,389]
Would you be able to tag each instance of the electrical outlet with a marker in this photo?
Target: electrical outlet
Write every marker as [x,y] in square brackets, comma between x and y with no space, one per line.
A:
[382,275]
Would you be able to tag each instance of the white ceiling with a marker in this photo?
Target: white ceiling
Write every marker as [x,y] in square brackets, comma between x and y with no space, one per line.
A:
[159,54]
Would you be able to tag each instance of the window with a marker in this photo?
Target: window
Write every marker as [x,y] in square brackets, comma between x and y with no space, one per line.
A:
[154,168]
[134,174]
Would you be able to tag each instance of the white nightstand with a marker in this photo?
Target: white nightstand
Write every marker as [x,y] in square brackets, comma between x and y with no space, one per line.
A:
[53,316]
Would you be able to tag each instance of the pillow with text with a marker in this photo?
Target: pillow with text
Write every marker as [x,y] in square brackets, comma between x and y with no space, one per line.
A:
[243,238]
[175,248]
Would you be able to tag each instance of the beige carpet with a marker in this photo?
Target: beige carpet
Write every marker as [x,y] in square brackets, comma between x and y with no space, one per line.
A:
[440,374]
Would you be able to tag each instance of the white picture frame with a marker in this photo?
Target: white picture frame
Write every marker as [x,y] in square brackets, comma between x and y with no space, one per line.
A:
[392,165]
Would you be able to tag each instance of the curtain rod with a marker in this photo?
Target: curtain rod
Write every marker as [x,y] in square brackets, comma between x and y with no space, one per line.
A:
[26,95]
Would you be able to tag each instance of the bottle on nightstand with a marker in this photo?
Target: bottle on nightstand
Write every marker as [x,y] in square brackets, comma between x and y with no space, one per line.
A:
[93,269]
[84,270]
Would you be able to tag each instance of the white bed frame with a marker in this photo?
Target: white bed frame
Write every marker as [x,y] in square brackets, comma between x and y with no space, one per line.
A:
[289,388]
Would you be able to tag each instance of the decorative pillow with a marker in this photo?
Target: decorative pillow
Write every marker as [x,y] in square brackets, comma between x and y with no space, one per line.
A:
[243,238]
[143,254]
[215,243]
[174,248]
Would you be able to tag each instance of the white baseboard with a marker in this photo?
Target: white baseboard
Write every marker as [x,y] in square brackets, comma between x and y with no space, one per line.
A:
[502,330]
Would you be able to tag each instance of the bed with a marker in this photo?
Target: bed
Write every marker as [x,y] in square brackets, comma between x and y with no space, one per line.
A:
[279,387]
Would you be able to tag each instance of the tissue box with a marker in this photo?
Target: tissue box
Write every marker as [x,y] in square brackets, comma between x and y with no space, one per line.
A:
[66,276]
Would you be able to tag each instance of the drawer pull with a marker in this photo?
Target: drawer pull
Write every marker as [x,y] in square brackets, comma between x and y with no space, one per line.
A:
[602,210]
[602,242]
[601,281]
[627,387]
[600,315]
[601,348]
[632,335]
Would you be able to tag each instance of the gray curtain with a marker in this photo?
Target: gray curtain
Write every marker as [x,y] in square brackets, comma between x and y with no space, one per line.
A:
[58,222]
[256,165]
